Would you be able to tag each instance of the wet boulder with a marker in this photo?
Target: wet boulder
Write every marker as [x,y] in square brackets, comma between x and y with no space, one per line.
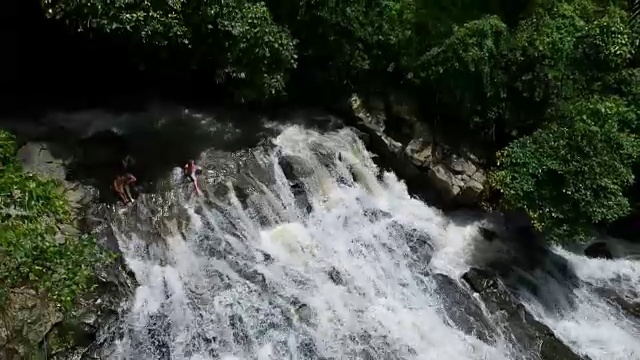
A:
[529,335]
[302,312]
[598,250]
[335,276]
[254,276]
[629,304]
[463,309]
[27,319]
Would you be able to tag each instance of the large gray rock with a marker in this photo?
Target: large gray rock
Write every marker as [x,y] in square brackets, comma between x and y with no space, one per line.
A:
[459,179]
[371,112]
[598,250]
[442,179]
[36,157]
[39,158]
[628,302]
[419,151]
[532,337]
[25,321]
[456,175]
[471,192]
[463,309]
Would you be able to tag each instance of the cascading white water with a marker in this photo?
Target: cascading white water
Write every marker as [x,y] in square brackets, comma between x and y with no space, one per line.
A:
[589,323]
[271,279]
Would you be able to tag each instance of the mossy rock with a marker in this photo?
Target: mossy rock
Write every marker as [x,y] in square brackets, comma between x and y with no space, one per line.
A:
[24,323]
[67,336]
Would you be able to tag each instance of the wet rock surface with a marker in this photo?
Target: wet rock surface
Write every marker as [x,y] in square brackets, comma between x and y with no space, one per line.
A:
[598,250]
[503,242]
[527,333]
[455,176]
[26,320]
[463,309]
[629,304]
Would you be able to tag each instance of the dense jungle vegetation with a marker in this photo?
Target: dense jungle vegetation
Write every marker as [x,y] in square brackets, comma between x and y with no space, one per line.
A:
[552,87]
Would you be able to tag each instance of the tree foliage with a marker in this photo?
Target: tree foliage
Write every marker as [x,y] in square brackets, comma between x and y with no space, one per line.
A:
[573,172]
[467,73]
[238,41]
[575,169]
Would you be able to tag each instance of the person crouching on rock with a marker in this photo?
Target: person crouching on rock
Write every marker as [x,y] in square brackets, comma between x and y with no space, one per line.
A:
[122,185]
[190,171]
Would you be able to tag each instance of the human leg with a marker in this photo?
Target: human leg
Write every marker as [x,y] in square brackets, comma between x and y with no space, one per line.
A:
[127,188]
[195,182]
[122,195]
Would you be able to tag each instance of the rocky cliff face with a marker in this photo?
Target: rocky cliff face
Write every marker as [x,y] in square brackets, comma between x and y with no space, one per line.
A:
[31,326]
[395,131]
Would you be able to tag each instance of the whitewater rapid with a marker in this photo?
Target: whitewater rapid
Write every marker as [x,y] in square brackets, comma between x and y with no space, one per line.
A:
[251,272]
[587,322]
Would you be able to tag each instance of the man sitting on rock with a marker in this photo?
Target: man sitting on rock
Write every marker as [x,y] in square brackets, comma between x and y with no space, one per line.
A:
[122,185]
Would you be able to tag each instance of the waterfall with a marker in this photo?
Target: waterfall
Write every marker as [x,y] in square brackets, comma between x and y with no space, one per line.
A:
[581,316]
[302,248]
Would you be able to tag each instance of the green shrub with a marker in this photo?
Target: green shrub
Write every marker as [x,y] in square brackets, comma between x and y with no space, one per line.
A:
[574,172]
[31,209]
[466,71]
